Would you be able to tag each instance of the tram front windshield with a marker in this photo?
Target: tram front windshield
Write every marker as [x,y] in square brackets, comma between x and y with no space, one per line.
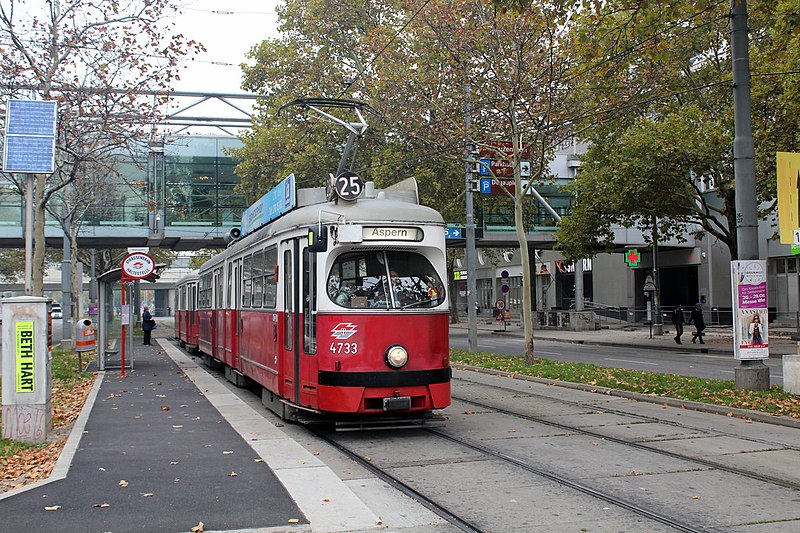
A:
[384,280]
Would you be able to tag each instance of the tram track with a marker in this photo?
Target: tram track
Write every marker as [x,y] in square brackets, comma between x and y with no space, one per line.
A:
[598,435]
[644,418]
[398,484]
[466,525]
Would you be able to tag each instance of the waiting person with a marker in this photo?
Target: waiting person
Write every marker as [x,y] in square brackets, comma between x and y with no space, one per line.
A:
[699,322]
[755,330]
[678,320]
[148,324]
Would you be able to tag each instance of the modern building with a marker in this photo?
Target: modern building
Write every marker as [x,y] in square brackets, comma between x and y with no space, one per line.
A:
[179,193]
[176,193]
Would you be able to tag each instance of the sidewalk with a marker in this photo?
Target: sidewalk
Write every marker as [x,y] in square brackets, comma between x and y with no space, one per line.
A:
[718,339]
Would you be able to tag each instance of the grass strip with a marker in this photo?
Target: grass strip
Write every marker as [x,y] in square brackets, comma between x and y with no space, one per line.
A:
[712,391]
[70,386]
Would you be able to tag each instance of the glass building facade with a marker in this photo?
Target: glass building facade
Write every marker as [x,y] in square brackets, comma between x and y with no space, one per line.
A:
[182,181]
[198,182]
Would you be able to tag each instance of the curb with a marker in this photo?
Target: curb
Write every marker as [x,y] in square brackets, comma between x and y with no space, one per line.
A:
[758,416]
[67,453]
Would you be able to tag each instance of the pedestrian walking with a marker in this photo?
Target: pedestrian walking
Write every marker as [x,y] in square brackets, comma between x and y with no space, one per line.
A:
[699,322]
[148,325]
[678,320]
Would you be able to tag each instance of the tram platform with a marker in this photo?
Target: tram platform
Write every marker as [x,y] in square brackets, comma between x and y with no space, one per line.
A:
[169,446]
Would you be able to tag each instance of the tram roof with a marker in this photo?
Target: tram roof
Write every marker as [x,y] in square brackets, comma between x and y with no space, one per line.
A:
[386,206]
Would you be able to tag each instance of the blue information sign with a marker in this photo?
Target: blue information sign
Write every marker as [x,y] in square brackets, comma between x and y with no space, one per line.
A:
[30,144]
[454,232]
[281,199]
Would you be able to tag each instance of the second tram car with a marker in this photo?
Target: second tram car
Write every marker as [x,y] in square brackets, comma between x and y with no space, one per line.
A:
[185,312]
[335,308]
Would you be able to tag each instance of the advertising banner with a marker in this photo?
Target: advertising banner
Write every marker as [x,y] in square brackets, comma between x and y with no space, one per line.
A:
[750,316]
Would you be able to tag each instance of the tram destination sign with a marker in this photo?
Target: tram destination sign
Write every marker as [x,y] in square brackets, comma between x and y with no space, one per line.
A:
[391,234]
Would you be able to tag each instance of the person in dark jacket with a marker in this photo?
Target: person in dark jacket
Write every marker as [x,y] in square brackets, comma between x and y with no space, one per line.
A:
[678,320]
[699,322]
[147,325]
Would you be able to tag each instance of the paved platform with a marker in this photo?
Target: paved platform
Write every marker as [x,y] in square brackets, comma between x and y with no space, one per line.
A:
[167,447]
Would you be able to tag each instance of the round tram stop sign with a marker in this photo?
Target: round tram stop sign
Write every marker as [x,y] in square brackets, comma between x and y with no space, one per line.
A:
[138,265]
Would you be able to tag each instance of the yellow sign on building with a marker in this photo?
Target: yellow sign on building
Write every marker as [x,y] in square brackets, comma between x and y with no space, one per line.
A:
[25,356]
[788,201]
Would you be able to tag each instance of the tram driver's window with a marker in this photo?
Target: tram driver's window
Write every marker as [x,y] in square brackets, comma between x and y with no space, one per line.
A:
[384,280]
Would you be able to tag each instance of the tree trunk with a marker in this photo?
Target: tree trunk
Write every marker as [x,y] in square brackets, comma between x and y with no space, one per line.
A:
[77,281]
[39,213]
[522,237]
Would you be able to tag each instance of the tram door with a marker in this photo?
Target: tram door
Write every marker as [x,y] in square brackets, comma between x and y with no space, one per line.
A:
[218,317]
[290,364]
[299,363]
[231,333]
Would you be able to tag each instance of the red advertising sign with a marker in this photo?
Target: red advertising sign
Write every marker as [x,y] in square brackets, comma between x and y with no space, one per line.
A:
[501,149]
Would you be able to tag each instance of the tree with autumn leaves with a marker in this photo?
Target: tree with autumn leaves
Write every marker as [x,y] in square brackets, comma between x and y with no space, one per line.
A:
[412,63]
[102,62]
[647,84]
[661,131]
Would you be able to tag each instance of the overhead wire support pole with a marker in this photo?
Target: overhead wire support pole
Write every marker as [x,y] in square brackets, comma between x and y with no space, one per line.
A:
[751,374]
[472,287]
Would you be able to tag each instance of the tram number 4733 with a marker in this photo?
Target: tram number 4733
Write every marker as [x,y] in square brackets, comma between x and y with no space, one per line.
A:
[344,347]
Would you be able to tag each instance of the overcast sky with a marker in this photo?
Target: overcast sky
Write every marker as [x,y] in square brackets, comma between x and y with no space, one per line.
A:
[228,30]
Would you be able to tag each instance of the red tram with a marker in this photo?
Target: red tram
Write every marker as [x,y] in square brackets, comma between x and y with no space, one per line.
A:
[336,307]
[186,330]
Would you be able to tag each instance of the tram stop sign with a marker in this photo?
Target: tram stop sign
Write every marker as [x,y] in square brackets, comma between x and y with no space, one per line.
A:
[649,286]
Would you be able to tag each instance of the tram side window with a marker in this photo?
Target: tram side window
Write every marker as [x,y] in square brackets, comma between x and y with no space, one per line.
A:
[270,283]
[247,281]
[384,280]
[218,287]
[258,278]
[204,292]
[309,302]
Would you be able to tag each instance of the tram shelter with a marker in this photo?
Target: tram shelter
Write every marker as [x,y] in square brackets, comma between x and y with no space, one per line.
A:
[112,315]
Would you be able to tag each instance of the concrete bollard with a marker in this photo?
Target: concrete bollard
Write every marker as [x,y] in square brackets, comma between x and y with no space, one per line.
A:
[791,373]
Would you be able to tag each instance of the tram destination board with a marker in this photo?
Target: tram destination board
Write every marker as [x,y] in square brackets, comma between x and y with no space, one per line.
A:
[30,136]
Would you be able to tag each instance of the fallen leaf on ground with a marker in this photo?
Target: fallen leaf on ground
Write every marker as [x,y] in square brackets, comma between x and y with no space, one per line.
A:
[199,528]
[233,474]
[101,505]
[123,483]
[53,508]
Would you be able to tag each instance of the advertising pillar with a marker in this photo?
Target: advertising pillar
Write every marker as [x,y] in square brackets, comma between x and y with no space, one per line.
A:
[27,376]
[750,317]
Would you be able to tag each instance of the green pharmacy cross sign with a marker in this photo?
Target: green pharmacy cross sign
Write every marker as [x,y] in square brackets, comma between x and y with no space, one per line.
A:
[633,258]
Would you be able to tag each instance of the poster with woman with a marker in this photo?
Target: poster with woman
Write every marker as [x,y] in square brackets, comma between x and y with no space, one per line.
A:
[750,335]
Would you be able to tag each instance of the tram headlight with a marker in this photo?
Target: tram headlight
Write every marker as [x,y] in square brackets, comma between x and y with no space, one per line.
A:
[396,356]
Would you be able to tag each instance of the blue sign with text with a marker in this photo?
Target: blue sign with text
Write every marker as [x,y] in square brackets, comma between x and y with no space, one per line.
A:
[454,233]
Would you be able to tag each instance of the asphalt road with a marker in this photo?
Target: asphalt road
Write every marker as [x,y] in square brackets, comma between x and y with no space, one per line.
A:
[632,358]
